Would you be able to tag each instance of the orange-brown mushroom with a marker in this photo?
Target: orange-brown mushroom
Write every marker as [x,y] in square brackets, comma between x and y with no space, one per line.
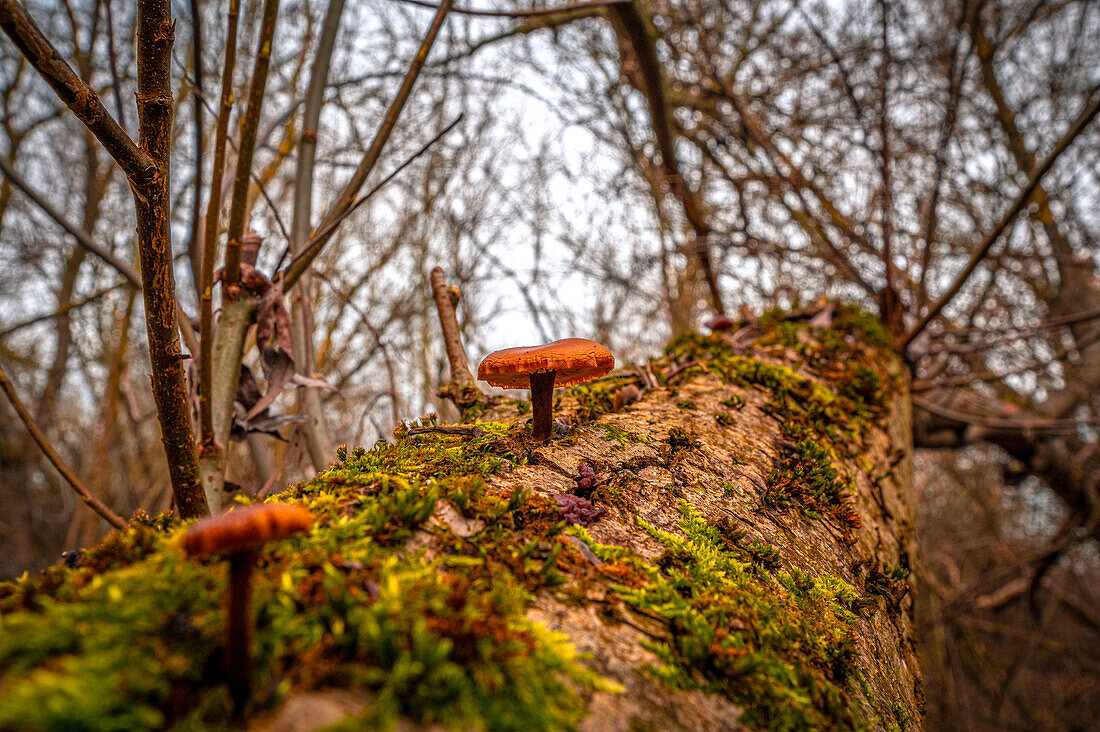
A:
[238,534]
[540,368]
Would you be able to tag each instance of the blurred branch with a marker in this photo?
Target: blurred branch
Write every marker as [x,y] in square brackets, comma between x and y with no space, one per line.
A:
[40,439]
[523,13]
[890,306]
[1024,197]
[633,31]
[65,308]
[318,438]
[964,379]
[345,202]
[939,167]
[82,237]
[1023,424]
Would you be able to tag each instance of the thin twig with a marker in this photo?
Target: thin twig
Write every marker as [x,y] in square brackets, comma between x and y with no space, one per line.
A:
[36,434]
[249,125]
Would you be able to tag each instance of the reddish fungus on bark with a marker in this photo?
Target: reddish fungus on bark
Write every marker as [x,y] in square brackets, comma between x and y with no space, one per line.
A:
[238,535]
[578,510]
[566,362]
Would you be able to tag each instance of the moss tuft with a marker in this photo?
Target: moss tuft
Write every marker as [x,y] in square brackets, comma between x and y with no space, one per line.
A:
[438,634]
[780,646]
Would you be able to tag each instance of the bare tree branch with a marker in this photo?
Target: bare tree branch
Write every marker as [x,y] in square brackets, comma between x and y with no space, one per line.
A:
[1078,126]
[249,124]
[345,201]
[77,96]
[70,477]
[82,237]
[153,204]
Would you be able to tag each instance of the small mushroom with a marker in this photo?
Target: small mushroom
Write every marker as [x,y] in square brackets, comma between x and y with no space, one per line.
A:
[540,368]
[238,534]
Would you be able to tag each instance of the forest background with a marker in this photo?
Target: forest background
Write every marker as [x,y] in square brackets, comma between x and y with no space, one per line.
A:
[936,162]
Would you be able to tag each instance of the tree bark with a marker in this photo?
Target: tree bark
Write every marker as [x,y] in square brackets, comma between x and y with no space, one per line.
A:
[153,203]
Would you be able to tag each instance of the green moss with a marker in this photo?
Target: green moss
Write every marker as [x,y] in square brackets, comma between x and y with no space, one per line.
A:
[865,327]
[680,440]
[586,403]
[889,583]
[132,641]
[820,424]
[807,474]
[779,645]
[733,402]
[724,419]
[612,433]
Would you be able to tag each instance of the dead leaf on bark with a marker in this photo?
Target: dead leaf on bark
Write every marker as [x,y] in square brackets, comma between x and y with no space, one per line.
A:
[278,367]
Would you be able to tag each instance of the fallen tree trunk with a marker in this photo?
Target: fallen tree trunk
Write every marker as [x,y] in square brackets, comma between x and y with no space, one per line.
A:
[728,550]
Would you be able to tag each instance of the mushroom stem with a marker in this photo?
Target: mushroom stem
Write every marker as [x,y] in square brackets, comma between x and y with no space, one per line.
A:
[542,405]
[237,657]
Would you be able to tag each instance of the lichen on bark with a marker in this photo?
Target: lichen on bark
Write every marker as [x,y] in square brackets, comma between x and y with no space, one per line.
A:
[749,573]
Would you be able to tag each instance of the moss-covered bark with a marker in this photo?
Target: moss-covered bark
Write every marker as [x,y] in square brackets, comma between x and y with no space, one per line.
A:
[744,567]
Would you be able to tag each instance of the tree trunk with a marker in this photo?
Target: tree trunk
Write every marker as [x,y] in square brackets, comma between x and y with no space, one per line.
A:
[742,564]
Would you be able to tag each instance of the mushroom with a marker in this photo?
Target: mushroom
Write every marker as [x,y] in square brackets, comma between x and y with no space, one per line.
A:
[540,368]
[238,534]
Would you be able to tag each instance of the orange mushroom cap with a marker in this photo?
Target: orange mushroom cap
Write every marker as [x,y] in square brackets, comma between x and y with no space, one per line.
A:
[576,360]
[246,528]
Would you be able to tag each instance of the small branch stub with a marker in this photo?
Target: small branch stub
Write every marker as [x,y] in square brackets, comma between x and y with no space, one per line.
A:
[461,389]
